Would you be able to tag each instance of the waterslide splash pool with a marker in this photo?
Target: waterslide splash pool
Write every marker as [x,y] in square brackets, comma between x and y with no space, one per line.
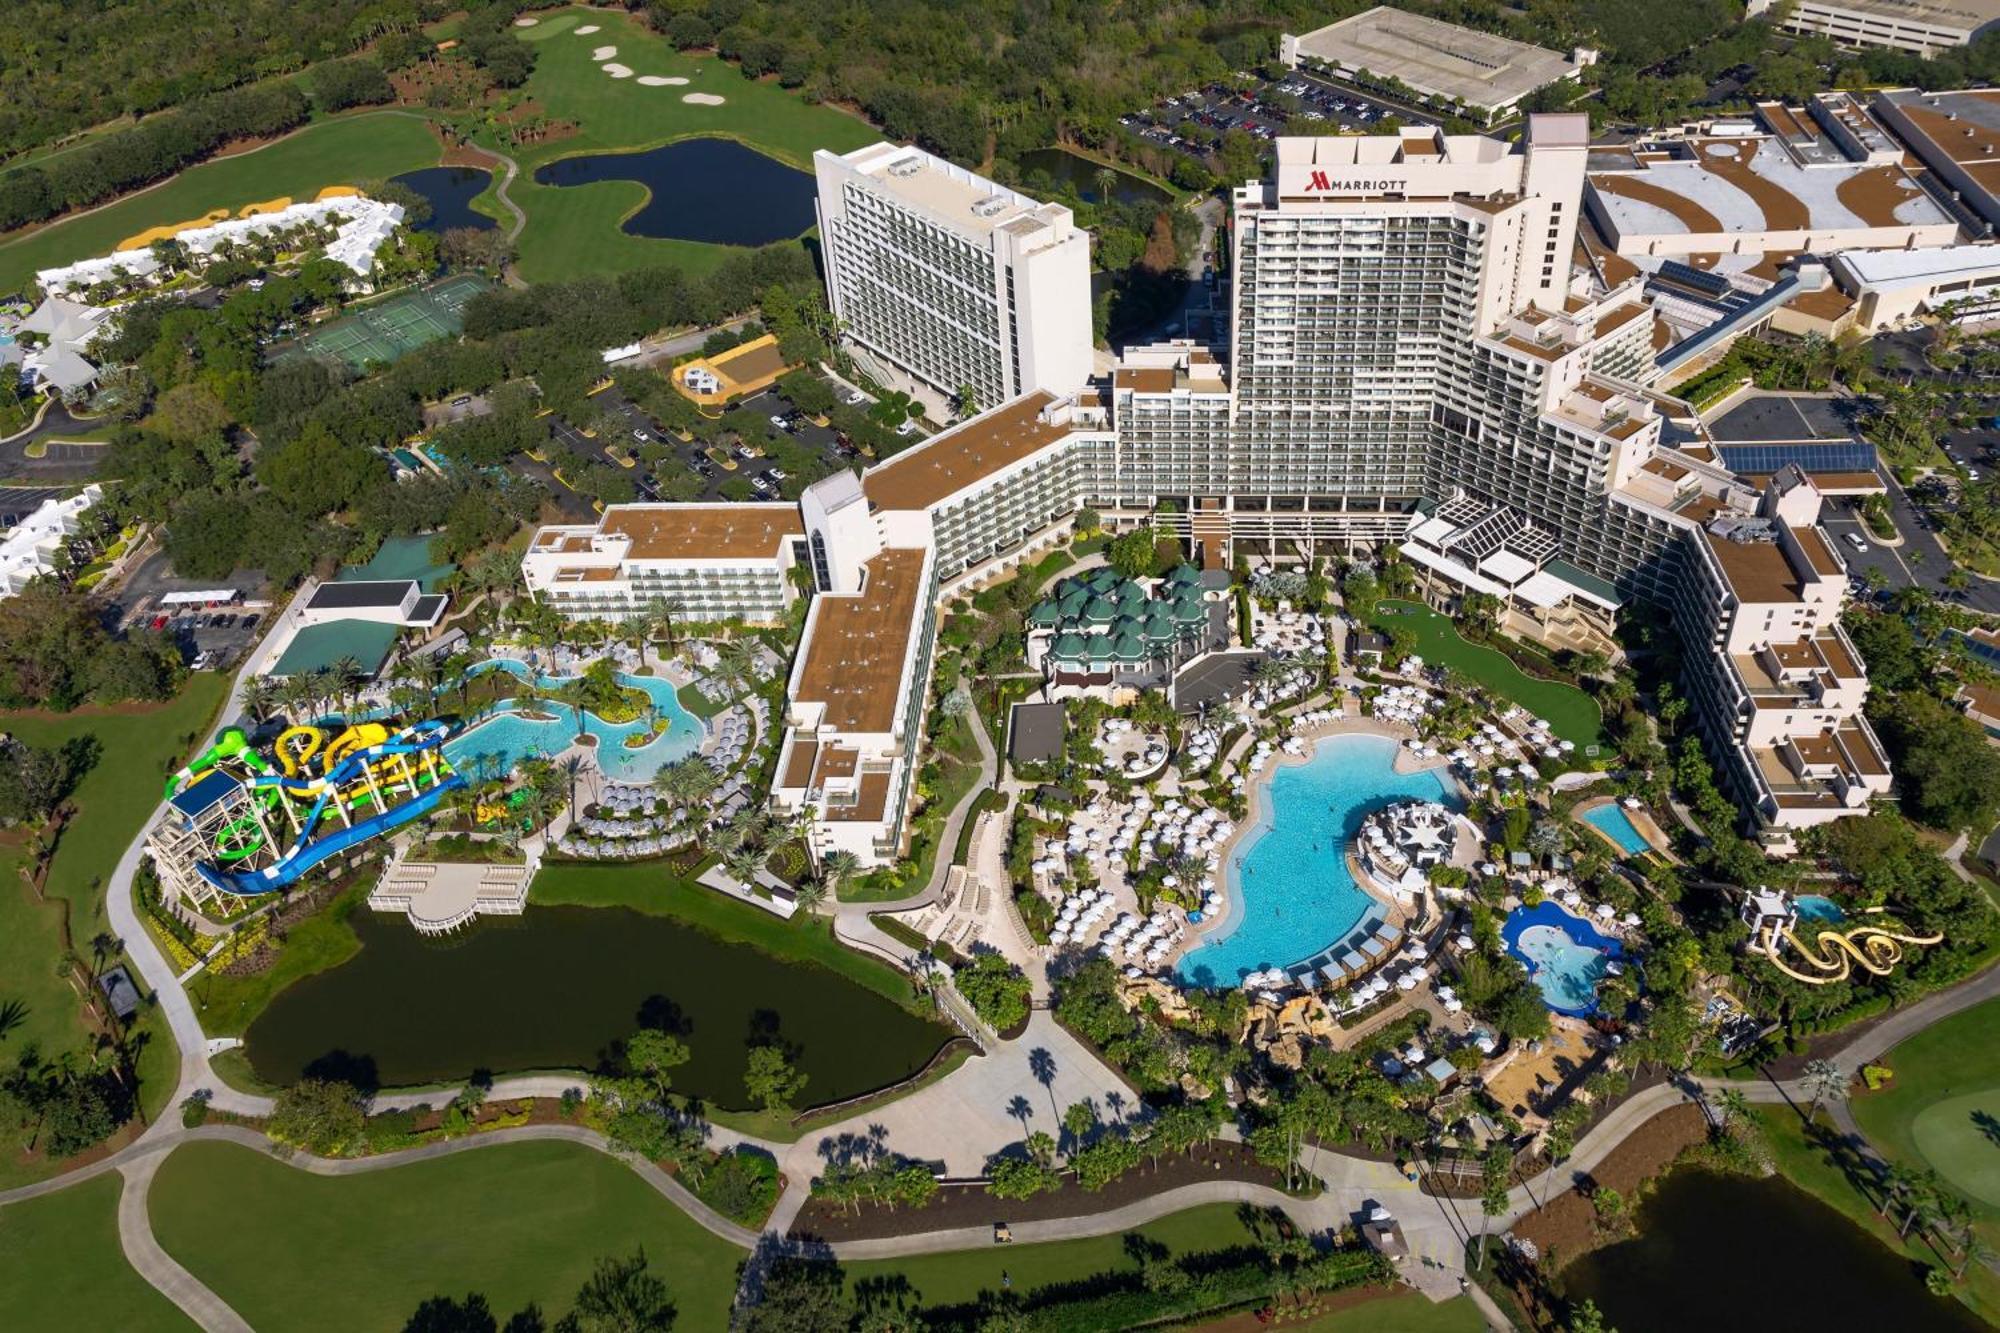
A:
[1566,955]
[1289,890]
[1612,821]
[492,746]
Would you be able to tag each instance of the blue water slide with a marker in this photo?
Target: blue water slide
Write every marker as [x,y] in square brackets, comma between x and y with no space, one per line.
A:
[305,854]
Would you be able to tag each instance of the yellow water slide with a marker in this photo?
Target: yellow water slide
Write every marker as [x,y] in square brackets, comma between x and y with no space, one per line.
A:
[295,748]
[1875,948]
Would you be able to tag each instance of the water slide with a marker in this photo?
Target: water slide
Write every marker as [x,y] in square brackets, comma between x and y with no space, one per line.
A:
[370,762]
[1876,949]
[232,744]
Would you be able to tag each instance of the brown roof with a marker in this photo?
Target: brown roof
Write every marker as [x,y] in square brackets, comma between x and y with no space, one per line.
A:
[1960,140]
[950,462]
[1145,379]
[854,653]
[754,360]
[1828,482]
[799,762]
[870,802]
[1619,318]
[703,532]
[838,761]
[1873,195]
[1758,571]
[1836,655]
[1545,351]
[1867,757]
[1824,561]
[1730,159]
[1981,700]
[1692,215]
[1828,303]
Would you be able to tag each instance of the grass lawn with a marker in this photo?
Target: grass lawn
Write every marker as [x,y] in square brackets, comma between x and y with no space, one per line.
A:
[960,1276]
[573,230]
[138,746]
[1410,1312]
[343,151]
[1806,1165]
[1574,714]
[228,1005]
[703,707]
[61,1267]
[1946,1077]
[520,1223]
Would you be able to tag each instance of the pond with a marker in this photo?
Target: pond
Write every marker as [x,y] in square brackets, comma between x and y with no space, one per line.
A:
[451,191]
[1066,168]
[713,190]
[555,988]
[1729,1252]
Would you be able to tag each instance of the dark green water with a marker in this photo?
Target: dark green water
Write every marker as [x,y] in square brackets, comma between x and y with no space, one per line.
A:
[1725,1253]
[555,990]
[1065,167]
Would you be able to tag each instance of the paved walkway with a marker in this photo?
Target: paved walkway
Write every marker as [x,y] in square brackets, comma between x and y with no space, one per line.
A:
[152,1262]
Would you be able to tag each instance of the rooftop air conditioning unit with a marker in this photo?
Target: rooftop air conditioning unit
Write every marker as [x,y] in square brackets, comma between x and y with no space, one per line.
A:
[989,206]
[909,166]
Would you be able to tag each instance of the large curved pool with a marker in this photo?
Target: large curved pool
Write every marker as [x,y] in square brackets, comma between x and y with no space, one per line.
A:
[1564,954]
[492,746]
[1290,893]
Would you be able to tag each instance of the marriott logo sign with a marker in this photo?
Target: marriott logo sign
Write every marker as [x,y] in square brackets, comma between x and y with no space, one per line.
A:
[1319,182]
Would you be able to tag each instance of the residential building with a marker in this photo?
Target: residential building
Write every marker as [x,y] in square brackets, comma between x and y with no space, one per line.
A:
[706,562]
[31,546]
[1446,65]
[952,279]
[1776,684]
[1921,27]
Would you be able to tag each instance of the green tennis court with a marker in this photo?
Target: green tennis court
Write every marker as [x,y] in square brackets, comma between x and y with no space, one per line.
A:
[384,332]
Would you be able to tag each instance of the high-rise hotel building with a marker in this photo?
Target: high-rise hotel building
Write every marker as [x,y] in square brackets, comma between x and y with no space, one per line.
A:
[951,278]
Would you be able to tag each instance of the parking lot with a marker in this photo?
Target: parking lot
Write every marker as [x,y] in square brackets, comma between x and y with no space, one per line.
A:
[216,637]
[703,458]
[1262,113]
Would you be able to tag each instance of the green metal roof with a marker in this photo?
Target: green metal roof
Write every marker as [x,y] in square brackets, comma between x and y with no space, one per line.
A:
[1129,647]
[1130,592]
[1072,604]
[1101,611]
[1184,576]
[1045,615]
[319,646]
[1099,647]
[1069,646]
[1188,610]
[1589,582]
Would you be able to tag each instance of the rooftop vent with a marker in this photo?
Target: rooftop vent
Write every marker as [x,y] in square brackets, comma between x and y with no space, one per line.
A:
[908,166]
[989,206]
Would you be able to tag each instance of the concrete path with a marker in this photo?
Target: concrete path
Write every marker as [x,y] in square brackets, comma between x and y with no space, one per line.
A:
[144,1253]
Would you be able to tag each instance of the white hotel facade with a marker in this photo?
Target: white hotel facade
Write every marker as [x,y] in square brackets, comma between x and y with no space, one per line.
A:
[1417,360]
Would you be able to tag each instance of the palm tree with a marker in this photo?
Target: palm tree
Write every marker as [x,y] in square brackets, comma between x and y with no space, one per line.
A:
[837,867]
[743,865]
[1822,1079]
[739,660]
[261,696]
[1106,181]
[1735,1106]
[661,619]
[809,896]
[571,767]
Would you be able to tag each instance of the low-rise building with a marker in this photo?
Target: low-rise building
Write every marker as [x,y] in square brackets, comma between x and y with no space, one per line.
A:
[1921,27]
[707,563]
[31,547]
[1481,73]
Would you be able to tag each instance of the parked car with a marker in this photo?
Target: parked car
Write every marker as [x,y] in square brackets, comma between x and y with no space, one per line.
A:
[641,436]
[856,398]
[159,622]
[1854,540]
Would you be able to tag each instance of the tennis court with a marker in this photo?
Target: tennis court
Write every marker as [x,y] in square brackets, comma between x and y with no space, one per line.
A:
[401,324]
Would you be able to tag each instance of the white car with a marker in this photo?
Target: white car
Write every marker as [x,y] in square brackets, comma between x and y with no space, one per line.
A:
[777,421]
[907,428]
[1854,540]
[856,398]
[641,436]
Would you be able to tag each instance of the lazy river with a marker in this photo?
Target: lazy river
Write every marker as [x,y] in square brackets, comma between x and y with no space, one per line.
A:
[490,747]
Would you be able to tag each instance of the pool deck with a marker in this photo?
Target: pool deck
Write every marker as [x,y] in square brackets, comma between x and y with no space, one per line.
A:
[1641,819]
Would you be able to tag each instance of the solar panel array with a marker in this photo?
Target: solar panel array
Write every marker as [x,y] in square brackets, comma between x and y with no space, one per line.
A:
[1812,455]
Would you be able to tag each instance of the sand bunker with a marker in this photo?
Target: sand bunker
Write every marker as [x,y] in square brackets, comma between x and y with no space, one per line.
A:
[702,99]
[526,22]
[585,30]
[603,53]
[618,71]
[659,80]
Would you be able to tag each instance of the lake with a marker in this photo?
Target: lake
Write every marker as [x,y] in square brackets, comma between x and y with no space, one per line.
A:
[712,190]
[1063,166]
[555,988]
[451,191]
[1726,1252]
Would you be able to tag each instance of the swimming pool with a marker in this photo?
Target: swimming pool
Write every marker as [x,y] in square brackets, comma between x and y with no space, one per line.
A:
[1612,821]
[491,747]
[1814,907]
[1289,890]
[1566,955]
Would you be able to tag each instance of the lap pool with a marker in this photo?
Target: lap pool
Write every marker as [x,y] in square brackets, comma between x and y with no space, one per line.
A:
[493,745]
[1612,821]
[1290,893]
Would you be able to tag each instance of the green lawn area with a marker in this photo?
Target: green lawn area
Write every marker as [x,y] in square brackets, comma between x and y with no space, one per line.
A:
[520,1223]
[1807,1166]
[343,151]
[138,747]
[1945,1076]
[1574,714]
[228,1005]
[574,230]
[700,704]
[1409,1312]
[960,1276]
[61,1266]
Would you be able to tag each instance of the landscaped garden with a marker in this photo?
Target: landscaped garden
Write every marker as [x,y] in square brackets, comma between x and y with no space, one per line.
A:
[1573,714]
[519,1223]
[61,1266]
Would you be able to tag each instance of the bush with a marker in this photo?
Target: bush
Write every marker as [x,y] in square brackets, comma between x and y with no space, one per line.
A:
[996,989]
